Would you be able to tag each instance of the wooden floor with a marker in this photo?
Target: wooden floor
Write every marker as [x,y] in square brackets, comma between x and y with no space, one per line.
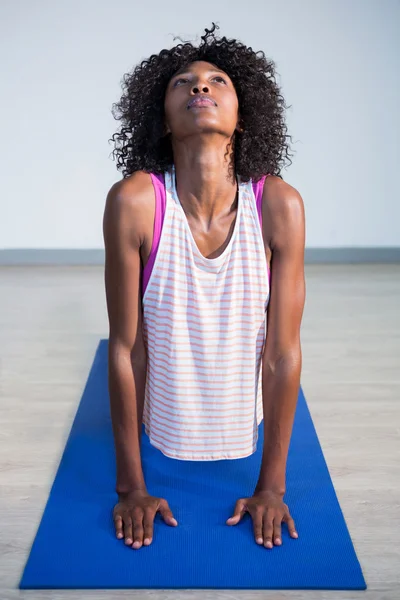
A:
[51,320]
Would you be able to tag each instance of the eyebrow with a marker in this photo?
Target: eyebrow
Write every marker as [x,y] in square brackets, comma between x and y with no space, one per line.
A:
[185,71]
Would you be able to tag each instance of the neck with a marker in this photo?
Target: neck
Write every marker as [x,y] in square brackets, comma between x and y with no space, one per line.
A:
[205,179]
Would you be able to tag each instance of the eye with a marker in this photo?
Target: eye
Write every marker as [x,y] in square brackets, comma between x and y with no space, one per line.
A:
[178,80]
[185,79]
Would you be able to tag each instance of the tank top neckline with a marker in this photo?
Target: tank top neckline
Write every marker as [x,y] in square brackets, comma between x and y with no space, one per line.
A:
[209,261]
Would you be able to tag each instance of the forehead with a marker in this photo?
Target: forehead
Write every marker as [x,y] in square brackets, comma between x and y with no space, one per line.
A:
[199,65]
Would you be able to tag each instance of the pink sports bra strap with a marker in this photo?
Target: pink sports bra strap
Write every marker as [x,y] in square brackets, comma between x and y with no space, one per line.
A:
[159,188]
[258,191]
[258,188]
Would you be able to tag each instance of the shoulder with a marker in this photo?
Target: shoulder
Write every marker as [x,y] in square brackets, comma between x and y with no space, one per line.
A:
[133,191]
[130,204]
[283,210]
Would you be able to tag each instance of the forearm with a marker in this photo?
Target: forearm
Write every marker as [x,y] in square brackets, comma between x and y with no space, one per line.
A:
[280,388]
[126,380]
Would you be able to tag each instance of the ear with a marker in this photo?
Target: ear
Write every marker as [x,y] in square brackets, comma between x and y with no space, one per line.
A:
[240,125]
[166,129]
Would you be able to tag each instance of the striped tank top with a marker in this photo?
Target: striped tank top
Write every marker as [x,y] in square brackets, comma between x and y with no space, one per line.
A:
[204,328]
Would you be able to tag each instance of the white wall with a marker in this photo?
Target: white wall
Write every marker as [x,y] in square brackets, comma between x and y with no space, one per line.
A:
[338,63]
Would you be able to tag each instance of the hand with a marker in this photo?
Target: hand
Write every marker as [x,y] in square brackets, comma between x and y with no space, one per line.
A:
[268,511]
[137,509]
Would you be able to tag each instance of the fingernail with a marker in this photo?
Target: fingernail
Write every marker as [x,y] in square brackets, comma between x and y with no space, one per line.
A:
[136,545]
[259,540]
[268,545]
[146,541]
[128,541]
[119,535]
[278,541]
[295,534]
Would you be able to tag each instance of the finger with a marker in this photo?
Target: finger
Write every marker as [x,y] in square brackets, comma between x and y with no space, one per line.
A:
[166,513]
[268,529]
[257,517]
[240,509]
[127,528]
[118,526]
[277,531]
[148,523]
[291,526]
[137,528]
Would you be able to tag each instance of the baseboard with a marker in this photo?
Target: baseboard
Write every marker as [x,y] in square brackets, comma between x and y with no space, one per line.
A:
[93,256]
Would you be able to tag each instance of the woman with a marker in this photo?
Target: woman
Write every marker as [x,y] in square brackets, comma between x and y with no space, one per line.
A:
[204,277]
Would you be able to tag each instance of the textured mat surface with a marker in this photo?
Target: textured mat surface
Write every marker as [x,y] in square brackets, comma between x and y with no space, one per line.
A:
[75,545]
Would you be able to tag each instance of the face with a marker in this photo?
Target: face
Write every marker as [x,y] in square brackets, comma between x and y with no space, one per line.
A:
[201,80]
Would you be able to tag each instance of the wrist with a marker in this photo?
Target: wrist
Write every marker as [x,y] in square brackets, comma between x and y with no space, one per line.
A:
[279,490]
[125,491]
[272,477]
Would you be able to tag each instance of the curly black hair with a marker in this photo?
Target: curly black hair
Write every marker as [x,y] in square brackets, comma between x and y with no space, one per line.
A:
[141,143]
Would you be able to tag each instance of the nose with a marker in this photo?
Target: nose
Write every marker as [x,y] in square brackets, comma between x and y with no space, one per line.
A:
[203,87]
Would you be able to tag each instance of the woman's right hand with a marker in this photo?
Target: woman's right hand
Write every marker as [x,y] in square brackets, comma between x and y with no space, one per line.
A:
[134,517]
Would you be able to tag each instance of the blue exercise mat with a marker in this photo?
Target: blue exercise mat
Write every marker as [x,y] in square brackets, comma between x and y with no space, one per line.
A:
[76,548]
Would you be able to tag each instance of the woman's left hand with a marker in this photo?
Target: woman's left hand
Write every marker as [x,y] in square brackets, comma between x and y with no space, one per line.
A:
[268,511]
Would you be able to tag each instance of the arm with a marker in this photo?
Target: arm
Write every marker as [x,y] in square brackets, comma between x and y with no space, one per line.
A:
[284,221]
[127,361]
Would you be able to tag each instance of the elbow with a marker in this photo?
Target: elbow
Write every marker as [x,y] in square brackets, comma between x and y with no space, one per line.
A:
[123,353]
[283,362]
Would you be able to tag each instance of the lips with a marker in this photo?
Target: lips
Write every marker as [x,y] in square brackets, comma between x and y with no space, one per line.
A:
[201,101]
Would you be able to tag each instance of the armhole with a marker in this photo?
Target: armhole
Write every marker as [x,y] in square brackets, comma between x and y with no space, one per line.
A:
[159,212]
